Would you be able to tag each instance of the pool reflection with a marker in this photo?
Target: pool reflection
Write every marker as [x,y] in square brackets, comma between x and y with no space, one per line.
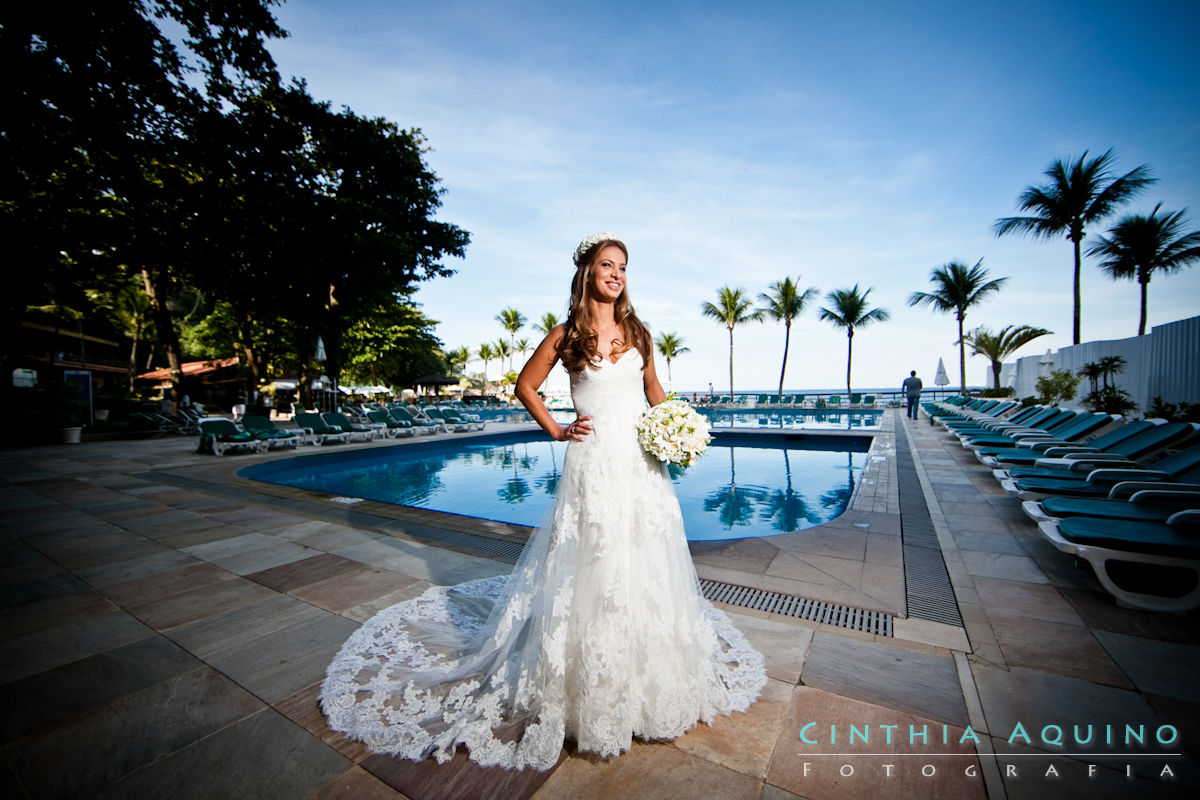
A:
[734,491]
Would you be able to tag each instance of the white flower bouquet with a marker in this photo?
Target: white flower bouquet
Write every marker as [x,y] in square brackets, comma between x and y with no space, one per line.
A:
[673,432]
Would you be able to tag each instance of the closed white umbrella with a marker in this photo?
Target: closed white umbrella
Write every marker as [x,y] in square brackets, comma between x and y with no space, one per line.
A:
[941,378]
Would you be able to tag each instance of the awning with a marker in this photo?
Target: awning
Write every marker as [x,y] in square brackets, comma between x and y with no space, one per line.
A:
[191,368]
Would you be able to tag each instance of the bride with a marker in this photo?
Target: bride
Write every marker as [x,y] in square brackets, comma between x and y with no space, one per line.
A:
[600,633]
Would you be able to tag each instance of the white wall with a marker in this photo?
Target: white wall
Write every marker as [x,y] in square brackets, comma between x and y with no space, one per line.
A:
[1165,362]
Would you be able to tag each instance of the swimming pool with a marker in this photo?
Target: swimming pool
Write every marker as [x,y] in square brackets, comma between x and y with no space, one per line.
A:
[795,419]
[747,485]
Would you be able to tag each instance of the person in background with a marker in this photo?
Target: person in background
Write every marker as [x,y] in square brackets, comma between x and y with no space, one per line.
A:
[911,388]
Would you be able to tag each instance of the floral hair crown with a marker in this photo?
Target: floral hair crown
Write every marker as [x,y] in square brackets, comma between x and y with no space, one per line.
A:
[592,241]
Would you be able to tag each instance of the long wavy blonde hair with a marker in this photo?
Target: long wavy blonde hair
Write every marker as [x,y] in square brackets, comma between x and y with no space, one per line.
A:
[579,347]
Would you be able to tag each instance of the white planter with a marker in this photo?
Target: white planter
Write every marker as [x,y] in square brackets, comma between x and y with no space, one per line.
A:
[70,435]
[101,415]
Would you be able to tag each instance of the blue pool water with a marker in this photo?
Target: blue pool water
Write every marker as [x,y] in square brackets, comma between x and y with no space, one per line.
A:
[797,419]
[745,486]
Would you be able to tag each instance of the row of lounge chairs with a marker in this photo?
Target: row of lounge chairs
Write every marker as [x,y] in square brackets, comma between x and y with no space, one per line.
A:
[1124,496]
[796,400]
[258,433]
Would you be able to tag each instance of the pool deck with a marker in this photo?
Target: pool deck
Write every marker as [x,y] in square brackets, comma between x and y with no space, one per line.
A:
[166,626]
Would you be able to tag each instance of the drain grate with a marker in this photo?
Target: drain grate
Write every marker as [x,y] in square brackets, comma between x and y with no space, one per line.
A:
[790,605]
[503,549]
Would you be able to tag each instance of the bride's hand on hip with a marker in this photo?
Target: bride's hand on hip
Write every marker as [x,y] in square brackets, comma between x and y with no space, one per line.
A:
[577,430]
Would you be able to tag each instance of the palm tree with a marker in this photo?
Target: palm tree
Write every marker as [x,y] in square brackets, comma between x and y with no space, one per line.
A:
[731,309]
[458,358]
[784,302]
[850,311]
[1138,246]
[670,346]
[512,321]
[521,346]
[1077,194]
[998,346]
[502,350]
[957,287]
[486,354]
[549,322]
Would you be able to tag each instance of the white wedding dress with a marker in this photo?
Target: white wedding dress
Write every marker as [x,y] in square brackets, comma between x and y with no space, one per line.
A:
[599,634]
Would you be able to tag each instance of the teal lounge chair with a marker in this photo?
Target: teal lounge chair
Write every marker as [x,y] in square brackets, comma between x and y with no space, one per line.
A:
[263,428]
[318,429]
[1103,477]
[856,399]
[868,401]
[340,421]
[1148,565]
[455,417]
[438,415]
[392,426]
[219,436]
[1074,430]
[420,424]
[1122,443]
[835,400]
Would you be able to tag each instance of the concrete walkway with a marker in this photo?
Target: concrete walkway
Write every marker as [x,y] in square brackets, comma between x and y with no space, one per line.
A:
[166,626]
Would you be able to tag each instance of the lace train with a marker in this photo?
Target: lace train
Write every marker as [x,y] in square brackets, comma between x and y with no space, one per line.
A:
[599,634]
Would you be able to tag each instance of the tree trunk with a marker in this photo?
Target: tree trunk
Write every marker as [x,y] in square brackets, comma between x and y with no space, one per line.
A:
[156,287]
[787,335]
[996,367]
[137,335]
[962,359]
[1142,320]
[1076,237]
[849,357]
[670,380]
[731,363]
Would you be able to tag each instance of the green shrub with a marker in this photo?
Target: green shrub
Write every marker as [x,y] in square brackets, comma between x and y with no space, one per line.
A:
[1057,387]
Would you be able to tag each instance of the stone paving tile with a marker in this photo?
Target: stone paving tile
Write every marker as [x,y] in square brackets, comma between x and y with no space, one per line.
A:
[304,709]
[168,583]
[988,542]
[296,574]
[139,565]
[784,644]
[1026,774]
[273,555]
[999,565]
[44,583]
[743,742]
[1099,611]
[353,588]
[869,779]
[356,784]
[241,760]
[1069,650]
[276,665]
[457,778]
[1160,668]
[216,637]
[1036,699]
[80,686]
[1023,600]
[647,770]
[47,648]
[128,733]
[49,612]
[914,682]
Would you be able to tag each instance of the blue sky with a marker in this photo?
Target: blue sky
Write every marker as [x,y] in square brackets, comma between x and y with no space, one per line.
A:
[737,144]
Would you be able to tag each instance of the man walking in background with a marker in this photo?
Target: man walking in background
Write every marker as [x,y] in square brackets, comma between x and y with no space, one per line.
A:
[912,387]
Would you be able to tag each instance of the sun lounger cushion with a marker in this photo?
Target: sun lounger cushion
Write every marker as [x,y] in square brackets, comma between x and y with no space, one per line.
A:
[1174,541]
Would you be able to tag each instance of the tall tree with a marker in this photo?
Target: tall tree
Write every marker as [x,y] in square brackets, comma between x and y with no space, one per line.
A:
[1000,345]
[511,320]
[670,347]
[458,358]
[1138,246]
[547,323]
[487,353]
[1077,194]
[957,287]
[849,311]
[97,141]
[785,302]
[732,308]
